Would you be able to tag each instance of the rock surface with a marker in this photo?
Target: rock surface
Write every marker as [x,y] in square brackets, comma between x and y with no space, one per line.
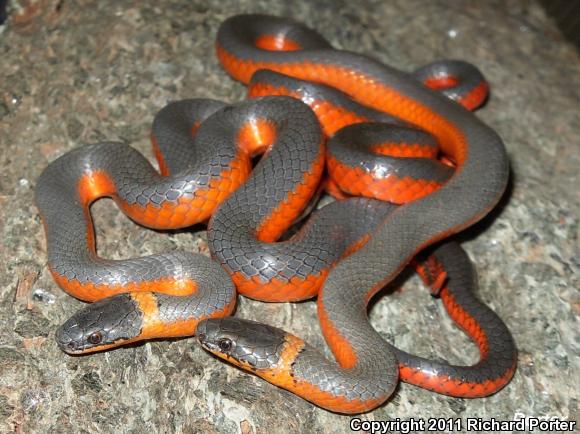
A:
[78,72]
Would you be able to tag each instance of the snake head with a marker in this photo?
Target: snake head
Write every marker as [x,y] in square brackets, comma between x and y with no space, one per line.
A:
[248,344]
[101,325]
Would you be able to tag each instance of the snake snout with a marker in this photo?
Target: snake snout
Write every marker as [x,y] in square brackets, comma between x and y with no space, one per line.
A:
[208,332]
[65,341]
[200,332]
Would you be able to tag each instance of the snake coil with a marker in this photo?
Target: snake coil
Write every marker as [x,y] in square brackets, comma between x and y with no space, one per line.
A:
[408,139]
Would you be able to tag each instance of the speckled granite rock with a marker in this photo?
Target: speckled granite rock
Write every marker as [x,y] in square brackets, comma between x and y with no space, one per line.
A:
[76,72]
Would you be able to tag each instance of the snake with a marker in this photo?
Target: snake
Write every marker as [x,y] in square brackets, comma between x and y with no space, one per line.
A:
[366,369]
[205,150]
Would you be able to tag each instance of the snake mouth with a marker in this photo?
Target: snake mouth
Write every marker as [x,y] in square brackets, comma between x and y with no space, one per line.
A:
[72,347]
[201,337]
[211,347]
[208,345]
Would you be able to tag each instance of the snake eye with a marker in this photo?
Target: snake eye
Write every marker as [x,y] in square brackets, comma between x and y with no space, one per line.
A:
[225,344]
[95,338]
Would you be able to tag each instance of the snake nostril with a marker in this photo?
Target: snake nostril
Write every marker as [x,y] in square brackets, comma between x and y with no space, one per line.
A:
[201,337]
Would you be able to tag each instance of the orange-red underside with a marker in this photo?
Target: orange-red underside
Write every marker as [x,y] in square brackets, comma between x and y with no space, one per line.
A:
[434,275]
[455,387]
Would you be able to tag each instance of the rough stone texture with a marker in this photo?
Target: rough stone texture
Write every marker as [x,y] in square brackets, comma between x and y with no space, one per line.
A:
[76,72]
